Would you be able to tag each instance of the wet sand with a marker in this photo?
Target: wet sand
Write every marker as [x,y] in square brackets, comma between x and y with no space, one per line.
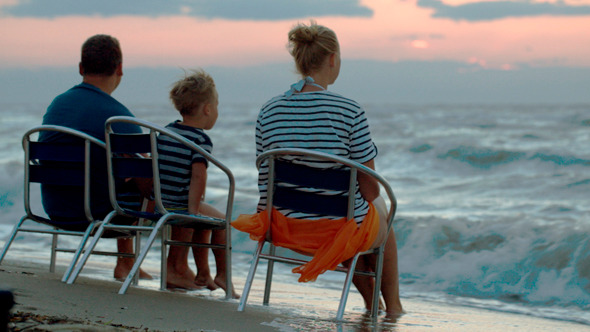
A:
[93,304]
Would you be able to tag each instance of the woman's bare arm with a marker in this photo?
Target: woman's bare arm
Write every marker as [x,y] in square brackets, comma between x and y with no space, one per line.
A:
[368,186]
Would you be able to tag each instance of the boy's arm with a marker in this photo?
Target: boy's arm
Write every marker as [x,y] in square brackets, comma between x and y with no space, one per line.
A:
[197,186]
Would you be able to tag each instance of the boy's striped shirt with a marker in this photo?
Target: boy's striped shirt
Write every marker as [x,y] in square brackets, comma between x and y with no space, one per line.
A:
[176,160]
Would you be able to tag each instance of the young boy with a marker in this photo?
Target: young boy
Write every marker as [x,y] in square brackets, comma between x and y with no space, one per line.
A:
[183,175]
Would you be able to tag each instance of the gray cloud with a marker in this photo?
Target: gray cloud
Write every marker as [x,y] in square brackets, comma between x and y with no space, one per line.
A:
[229,9]
[493,10]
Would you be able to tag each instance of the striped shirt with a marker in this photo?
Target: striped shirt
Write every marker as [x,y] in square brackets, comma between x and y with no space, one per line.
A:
[176,160]
[322,121]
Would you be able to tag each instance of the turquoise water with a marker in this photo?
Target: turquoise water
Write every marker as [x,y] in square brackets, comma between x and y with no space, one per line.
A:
[493,199]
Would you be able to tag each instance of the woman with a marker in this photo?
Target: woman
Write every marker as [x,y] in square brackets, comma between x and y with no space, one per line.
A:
[311,117]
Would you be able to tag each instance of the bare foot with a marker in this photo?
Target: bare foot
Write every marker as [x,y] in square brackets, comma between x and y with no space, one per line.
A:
[144,275]
[392,318]
[396,312]
[220,281]
[123,268]
[368,306]
[206,281]
[184,279]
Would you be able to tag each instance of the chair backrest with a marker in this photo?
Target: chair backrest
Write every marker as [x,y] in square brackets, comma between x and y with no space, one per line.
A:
[64,162]
[129,157]
[284,176]
[136,156]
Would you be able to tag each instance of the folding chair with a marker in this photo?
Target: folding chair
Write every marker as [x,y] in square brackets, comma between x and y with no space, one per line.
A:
[136,156]
[282,176]
[64,164]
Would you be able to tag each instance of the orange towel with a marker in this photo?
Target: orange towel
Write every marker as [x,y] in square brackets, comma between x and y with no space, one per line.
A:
[329,241]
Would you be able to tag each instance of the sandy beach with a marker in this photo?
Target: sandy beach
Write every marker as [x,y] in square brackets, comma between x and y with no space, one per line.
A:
[94,305]
[97,303]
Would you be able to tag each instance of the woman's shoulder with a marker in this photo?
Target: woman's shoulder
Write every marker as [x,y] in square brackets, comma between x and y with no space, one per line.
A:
[325,98]
[339,96]
[341,101]
[273,101]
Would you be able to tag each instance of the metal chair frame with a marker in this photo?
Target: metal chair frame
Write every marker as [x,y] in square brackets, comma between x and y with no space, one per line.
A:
[35,171]
[353,168]
[136,164]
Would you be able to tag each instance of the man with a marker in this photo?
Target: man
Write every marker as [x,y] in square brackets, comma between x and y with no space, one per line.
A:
[86,107]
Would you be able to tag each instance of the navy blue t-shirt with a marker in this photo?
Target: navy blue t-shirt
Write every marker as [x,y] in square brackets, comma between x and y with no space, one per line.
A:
[85,108]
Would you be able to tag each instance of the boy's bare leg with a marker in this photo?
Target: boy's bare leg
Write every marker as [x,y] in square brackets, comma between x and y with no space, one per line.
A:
[179,274]
[220,262]
[201,256]
[124,264]
[218,237]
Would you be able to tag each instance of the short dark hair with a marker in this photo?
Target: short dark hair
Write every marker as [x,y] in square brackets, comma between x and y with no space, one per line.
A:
[101,54]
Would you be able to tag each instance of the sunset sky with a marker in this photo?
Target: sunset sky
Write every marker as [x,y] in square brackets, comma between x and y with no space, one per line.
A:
[469,42]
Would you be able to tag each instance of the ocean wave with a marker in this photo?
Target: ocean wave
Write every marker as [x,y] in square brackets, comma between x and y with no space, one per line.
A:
[510,260]
[11,185]
[482,157]
[486,158]
[560,160]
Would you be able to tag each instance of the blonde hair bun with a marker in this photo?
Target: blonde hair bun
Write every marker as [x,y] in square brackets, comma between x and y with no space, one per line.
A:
[310,45]
[303,34]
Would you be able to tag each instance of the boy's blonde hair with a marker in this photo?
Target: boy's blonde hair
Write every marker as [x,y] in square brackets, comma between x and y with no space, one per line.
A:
[194,90]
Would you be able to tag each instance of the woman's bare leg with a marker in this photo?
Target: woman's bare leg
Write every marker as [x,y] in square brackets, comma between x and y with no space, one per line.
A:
[390,277]
[364,284]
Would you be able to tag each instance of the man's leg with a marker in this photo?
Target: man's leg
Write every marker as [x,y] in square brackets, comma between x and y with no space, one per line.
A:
[132,196]
[124,264]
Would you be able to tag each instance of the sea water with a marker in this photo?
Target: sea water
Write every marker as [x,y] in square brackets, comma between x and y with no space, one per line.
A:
[493,200]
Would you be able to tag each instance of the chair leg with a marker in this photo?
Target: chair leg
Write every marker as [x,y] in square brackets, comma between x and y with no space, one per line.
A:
[269,272]
[142,255]
[54,238]
[164,257]
[88,251]
[346,288]
[12,236]
[78,252]
[136,251]
[228,265]
[250,278]
[377,288]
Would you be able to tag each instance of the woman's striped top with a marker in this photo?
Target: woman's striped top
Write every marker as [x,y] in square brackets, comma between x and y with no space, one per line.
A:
[322,121]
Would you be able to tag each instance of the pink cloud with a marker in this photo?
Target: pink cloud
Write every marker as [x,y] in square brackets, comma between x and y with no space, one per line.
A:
[188,42]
